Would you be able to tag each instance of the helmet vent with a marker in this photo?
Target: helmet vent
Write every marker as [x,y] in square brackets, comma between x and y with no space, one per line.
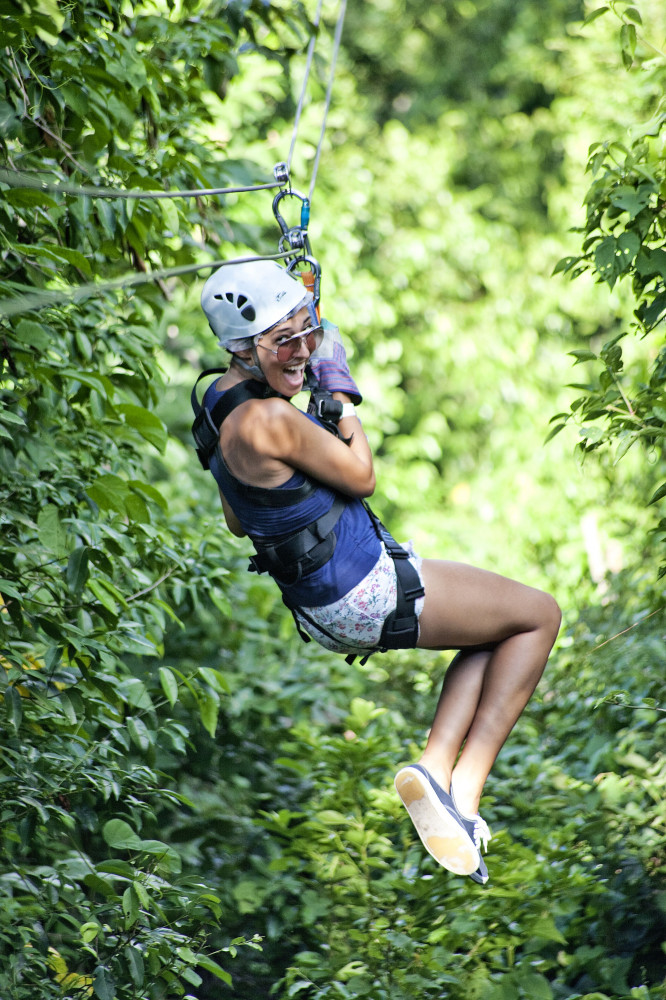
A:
[247,313]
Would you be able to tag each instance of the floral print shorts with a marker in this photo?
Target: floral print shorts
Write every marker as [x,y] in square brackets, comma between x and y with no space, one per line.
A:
[354,623]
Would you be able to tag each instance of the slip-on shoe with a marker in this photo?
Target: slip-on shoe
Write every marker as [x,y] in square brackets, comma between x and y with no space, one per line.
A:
[437,821]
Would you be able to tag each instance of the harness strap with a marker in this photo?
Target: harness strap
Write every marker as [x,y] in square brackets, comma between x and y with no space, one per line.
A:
[206,433]
[207,423]
[401,628]
[289,559]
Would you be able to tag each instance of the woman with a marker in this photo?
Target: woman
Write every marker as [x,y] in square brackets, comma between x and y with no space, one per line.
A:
[297,490]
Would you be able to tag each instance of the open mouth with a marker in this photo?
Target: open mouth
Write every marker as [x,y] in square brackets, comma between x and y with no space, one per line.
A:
[294,371]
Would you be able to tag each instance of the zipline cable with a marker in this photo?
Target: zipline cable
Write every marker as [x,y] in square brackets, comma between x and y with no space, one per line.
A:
[329,92]
[44,299]
[22,179]
[296,237]
[306,77]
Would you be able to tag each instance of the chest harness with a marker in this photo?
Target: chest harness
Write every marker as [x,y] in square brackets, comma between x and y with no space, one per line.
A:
[291,557]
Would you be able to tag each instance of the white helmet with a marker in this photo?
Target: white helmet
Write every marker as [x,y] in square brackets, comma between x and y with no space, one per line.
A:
[245,299]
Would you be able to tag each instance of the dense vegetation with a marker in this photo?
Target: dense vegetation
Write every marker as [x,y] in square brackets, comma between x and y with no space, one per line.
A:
[193,802]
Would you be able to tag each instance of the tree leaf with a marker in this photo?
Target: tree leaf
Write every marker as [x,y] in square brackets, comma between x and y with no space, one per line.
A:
[168,858]
[14,706]
[77,569]
[209,965]
[89,931]
[149,426]
[169,685]
[119,834]
[109,492]
[139,733]
[593,15]
[215,678]
[209,706]
[658,494]
[103,596]
[130,904]
[51,532]
[583,356]
[135,965]
[67,707]
[104,985]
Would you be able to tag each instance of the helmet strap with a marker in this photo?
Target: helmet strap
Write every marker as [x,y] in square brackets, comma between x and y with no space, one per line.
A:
[254,370]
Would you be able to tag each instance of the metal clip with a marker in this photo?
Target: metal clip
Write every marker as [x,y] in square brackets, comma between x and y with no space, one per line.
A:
[294,239]
[315,267]
[281,173]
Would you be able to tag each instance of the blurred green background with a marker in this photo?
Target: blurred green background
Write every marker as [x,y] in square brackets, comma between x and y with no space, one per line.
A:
[195,803]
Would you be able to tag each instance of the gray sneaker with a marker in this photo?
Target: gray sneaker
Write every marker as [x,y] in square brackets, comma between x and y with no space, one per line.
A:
[437,821]
[477,829]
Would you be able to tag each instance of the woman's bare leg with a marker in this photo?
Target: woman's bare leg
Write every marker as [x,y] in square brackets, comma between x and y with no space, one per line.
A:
[485,690]
[458,702]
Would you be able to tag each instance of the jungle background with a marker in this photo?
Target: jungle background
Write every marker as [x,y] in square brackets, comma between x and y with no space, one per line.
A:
[193,803]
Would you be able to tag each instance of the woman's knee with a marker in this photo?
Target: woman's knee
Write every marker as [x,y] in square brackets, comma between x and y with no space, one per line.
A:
[550,614]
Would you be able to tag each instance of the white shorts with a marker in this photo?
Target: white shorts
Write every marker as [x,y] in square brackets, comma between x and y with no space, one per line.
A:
[354,623]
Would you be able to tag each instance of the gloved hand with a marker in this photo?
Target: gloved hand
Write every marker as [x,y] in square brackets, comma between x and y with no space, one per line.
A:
[329,364]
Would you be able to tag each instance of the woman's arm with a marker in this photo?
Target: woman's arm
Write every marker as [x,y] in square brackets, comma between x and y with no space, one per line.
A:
[274,429]
[233,523]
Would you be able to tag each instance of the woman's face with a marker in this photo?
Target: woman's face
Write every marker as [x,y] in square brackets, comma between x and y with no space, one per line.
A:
[286,377]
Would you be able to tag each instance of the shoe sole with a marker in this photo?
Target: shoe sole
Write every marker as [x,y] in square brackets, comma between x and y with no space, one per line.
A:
[442,836]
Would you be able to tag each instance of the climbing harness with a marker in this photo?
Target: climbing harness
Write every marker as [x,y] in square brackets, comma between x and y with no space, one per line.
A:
[289,558]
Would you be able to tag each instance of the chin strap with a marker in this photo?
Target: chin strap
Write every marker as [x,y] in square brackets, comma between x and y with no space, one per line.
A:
[253,370]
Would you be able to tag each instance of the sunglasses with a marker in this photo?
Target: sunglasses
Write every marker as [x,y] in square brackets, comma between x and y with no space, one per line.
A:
[286,350]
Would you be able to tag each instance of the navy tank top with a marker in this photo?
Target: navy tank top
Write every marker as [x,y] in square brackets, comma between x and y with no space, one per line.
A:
[357,549]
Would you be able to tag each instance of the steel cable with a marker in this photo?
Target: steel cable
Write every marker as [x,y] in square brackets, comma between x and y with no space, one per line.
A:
[329,92]
[306,77]
[43,299]
[22,179]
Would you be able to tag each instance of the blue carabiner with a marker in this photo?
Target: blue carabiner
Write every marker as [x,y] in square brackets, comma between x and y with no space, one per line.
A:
[305,209]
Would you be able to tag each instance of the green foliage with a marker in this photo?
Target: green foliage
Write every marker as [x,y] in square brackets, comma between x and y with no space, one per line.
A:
[575,903]
[94,566]
[623,241]
[182,776]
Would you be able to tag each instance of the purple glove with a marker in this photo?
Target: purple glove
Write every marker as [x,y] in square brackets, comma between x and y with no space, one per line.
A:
[329,364]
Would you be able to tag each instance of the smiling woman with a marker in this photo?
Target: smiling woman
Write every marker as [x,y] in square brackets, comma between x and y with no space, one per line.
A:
[292,349]
[298,491]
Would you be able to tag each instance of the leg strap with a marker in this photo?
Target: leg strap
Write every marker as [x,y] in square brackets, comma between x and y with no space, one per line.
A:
[401,628]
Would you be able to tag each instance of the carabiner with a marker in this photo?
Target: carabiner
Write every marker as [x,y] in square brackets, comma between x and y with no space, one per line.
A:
[293,240]
[305,210]
[313,283]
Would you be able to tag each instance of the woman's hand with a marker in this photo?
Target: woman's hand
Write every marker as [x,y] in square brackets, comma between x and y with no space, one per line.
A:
[329,365]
